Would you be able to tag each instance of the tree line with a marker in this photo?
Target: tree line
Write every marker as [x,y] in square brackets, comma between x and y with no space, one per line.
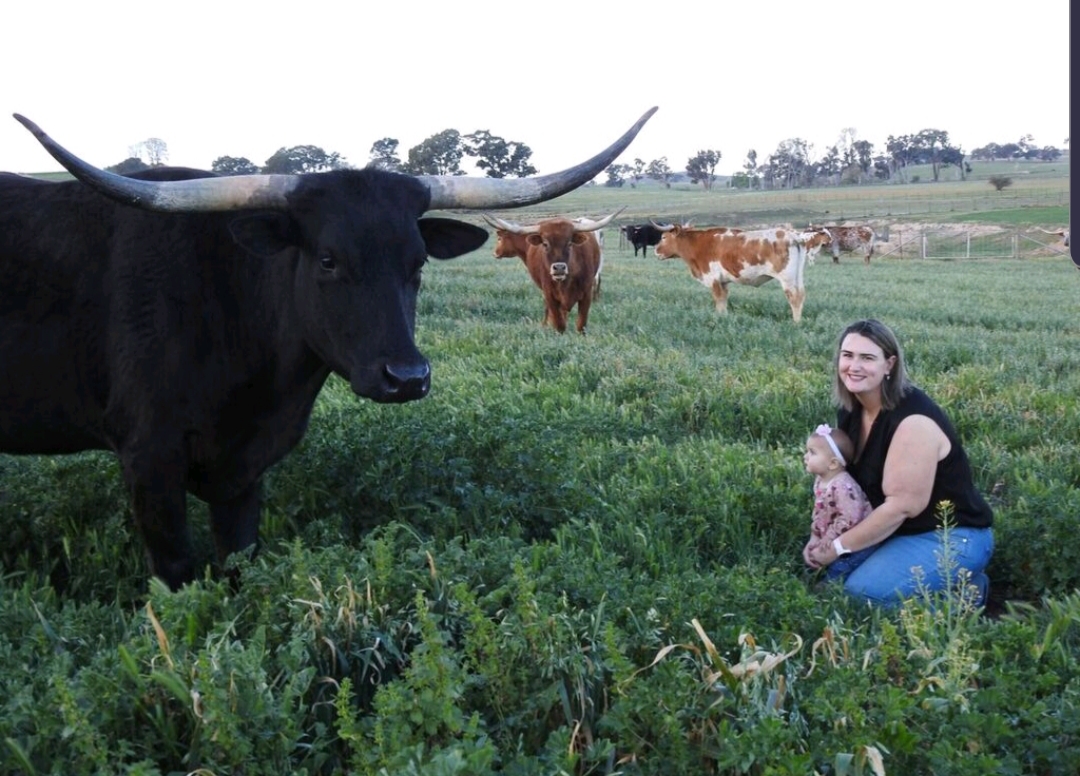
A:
[440,154]
[848,161]
[791,165]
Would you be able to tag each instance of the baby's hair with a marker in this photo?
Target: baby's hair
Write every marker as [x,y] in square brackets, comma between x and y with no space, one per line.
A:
[843,441]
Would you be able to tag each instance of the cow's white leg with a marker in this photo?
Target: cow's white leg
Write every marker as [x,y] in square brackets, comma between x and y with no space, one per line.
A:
[719,295]
[795,297]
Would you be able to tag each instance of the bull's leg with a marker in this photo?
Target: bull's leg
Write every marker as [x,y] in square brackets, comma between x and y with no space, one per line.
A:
[719,295]
[235,523]
[159,504]
[795,297]
[583,306]
[558,317]
[560,322]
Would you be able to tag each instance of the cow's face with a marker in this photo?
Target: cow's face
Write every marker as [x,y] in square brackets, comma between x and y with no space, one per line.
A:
[553,245]
[816,239]
[508,244]
[358,246]
[668,247]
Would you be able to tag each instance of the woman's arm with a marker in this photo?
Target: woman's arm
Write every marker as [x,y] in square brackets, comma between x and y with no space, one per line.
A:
[907,481]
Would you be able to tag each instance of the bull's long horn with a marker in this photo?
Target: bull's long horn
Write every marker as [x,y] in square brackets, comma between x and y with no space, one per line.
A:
[271,191]
[456,191]
[510,226]
[200,194]
[592,226]
[662,227]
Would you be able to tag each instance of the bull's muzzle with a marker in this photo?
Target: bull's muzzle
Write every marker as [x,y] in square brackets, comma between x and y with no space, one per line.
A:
[560,271]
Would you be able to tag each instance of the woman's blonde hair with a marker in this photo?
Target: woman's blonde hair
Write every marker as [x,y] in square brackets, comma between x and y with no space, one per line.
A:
[894,386]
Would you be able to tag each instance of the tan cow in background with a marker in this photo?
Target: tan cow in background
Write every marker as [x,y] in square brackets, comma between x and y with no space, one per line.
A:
[848,239]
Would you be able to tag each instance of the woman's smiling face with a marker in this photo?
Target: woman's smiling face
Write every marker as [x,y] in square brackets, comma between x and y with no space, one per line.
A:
[862,364]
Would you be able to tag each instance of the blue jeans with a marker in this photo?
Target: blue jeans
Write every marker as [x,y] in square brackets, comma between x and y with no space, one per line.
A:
[845,564]
[903,566]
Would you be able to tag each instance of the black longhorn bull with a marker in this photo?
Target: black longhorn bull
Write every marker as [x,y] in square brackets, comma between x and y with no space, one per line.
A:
[188,322]
[641,236]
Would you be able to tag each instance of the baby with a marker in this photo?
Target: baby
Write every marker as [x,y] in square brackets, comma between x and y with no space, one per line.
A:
[839,502]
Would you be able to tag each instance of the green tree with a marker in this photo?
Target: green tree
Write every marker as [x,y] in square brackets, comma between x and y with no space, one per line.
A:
[864,155]
[384,155]
[789,166]
[440,154]
[128,166]
[659,170]
[751,168]
[637,172]
[153,150]
[831,164]
[616,175]
[498,158]
[231,165]
[302,159]
[902,151]
[701,168]
[933,147]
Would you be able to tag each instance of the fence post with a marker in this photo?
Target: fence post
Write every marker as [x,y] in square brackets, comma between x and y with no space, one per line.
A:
[924,245]
[967,250]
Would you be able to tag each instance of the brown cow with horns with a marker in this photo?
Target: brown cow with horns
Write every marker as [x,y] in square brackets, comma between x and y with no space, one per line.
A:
[563,259]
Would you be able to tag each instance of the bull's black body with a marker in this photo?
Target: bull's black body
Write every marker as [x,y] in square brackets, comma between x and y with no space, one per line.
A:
[642,236]
[194,345]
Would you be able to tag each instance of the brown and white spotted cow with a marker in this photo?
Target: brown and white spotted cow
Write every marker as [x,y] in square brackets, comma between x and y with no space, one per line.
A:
[848,239]
[720,256]
[563,259]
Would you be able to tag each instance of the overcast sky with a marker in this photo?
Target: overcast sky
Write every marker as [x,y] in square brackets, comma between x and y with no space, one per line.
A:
[567,78]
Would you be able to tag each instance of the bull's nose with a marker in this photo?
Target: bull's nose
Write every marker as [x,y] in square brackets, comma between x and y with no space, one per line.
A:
[406,382]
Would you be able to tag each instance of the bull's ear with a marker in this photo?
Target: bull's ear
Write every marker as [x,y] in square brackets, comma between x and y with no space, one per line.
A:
[263,234]
[446,238]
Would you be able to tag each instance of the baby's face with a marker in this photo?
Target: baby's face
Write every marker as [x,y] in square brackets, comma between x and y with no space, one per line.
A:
[818,456]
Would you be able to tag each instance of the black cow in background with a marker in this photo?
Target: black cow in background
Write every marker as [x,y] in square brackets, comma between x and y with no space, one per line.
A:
[188,322]
[641,236]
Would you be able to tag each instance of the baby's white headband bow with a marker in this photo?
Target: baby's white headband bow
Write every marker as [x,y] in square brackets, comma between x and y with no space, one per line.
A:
[825,431]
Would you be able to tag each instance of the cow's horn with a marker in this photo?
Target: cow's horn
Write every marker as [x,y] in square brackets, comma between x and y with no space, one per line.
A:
[662,227]
[592,226]
[509,226]
[271,191]
[456,191]
[199,194]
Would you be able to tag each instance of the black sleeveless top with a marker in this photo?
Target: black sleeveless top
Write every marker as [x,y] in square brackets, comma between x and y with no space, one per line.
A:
[952,481]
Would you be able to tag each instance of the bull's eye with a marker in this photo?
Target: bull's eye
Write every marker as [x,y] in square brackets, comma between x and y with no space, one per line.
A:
[327,263]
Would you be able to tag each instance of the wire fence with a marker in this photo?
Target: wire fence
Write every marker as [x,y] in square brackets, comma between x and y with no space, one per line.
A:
[921,243]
